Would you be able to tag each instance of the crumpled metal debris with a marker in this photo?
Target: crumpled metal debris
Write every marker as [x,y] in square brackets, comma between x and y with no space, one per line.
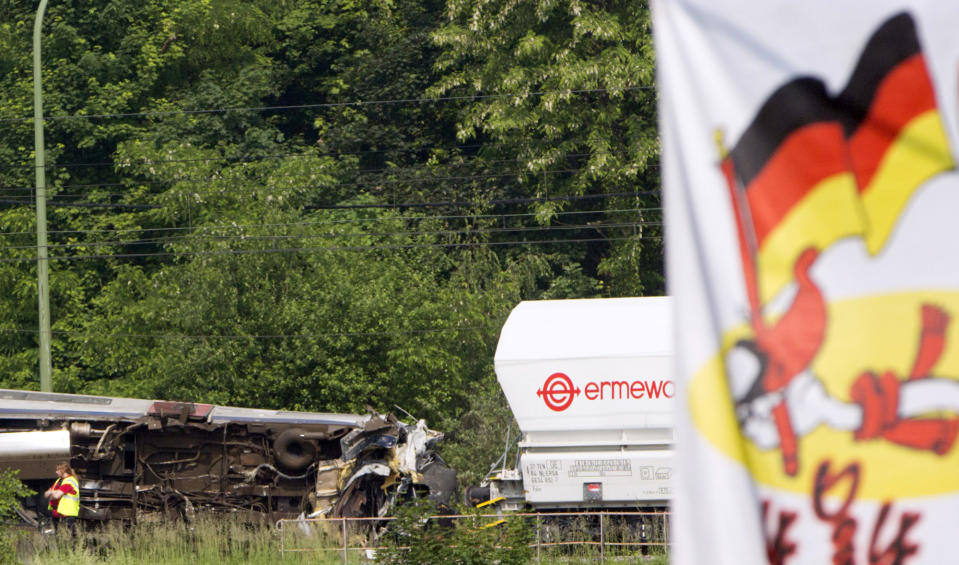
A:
[383,463]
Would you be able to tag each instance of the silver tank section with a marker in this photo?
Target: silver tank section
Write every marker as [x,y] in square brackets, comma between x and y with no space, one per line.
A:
[35,454]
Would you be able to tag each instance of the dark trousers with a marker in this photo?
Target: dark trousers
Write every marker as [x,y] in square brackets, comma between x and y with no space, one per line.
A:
[68,522]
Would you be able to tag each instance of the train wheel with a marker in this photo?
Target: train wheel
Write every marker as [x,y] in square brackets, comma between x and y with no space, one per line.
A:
[293,452]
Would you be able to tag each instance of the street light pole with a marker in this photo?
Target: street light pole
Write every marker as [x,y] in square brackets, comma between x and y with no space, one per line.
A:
[43,282]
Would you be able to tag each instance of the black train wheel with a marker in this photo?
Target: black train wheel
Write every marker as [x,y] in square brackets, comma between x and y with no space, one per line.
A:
[292,452]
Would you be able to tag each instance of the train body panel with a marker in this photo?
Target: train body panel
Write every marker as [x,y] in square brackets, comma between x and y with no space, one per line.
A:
[590,384]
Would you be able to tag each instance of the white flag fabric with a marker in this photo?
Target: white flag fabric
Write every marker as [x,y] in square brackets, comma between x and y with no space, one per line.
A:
[812,210]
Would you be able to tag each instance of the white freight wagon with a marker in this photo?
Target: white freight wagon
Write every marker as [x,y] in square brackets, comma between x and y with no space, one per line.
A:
[590,384]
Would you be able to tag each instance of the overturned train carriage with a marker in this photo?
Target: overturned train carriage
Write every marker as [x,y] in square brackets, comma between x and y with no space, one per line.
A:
[142,460]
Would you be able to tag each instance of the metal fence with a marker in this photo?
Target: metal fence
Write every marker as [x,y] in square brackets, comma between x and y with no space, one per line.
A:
[605,535]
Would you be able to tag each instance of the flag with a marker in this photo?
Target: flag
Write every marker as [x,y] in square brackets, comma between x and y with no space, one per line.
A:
[810,189]
[895,130]
[813,168]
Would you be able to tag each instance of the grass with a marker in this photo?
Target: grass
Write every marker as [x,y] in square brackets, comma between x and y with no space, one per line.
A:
[224,541]
[625,541]
[220,541]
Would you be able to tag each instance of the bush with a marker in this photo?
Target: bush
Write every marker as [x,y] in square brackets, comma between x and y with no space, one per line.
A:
[11,490]
[412,539]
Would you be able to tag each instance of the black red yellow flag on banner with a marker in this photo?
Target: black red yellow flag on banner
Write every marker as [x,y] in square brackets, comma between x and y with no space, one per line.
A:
[811,193]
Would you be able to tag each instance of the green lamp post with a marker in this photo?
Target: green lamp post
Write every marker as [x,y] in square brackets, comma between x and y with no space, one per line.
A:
[43,282]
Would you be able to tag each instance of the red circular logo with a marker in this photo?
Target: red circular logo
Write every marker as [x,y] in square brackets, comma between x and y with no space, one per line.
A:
[558,392]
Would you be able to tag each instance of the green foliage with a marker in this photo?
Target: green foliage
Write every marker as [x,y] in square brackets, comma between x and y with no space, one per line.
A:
[8,546]
[413,539]
[11,491]
[238,216]
[567,89]
[478,437]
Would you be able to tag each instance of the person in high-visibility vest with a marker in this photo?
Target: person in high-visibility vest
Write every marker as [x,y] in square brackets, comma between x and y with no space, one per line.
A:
[64,497]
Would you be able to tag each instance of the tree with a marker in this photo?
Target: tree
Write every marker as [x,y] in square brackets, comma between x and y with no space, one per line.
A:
[321,204]
[566,89]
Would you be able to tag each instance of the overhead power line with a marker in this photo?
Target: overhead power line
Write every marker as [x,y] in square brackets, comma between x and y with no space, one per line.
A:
[54,204]
[249,337]
[276,250]
[385,205]
[239,176]
[357,103]
[404,218]
[286,237]
[288,155]
[499,201]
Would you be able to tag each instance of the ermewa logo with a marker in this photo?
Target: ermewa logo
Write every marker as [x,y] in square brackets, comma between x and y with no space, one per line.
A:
[558,391]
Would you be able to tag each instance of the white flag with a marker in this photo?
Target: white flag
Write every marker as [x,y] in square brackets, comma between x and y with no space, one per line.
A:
[812,201]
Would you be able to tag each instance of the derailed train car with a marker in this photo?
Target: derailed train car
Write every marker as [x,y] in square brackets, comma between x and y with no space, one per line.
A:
[146,460]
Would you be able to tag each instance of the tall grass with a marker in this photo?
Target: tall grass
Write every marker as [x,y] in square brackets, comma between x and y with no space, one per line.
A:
[213,540]
[206,541]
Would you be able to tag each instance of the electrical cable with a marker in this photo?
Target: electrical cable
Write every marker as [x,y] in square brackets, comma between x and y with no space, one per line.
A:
[285,156]
[337,222]
[247,337]
[394,205]
[364,182]
[450,181]
[245,237]
[330,249]
[358,103]
[498,202]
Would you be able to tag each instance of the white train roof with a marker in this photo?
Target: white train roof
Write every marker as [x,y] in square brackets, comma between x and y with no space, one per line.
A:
[587,329]
[32,404]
